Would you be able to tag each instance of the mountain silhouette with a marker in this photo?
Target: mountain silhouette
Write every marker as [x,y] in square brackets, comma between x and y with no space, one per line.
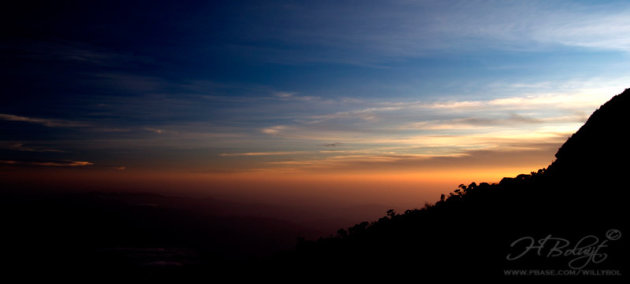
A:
[580,198]
[600,145]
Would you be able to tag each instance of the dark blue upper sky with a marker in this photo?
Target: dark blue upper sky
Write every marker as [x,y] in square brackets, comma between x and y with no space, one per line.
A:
[119,83]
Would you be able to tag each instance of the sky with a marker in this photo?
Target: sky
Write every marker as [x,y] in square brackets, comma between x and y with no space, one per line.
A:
[377,101]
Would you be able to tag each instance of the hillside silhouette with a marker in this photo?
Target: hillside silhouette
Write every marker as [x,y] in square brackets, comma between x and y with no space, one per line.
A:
[469,232]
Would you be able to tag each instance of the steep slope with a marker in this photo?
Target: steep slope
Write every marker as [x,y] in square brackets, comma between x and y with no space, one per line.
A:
[601,145]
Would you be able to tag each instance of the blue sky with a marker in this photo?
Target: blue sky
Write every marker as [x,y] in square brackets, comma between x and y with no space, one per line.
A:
[302,85]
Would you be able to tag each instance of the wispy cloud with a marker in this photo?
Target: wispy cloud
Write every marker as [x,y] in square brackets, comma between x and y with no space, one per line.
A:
[63,164]
[154,130]
[367,114]
[48,163]
[336,144]
[293,96]
[273,130]
[357,34]
[413,133]
[529,113]
[42,121]
[18,146]
[521,155]
[283,95]
[78,52]
[511,120]
[257,154]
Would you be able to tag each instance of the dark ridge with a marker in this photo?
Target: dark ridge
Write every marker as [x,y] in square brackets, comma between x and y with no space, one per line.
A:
[600,145]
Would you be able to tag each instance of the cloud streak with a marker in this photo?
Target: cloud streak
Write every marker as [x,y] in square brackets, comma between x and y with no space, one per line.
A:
[258,154]
[534,155]
[354,34]
[18,146]
[385,121]
[48,163]
[42,121]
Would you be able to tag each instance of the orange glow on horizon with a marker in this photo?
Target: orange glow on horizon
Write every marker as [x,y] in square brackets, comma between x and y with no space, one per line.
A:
[407,189]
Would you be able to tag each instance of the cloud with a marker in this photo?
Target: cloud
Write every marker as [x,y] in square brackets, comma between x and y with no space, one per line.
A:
[371,34]
[257,154]
[286,96]
[48,163]
[501,24]
[558,100]
[367,114]
[454,105]
[595,29]
[336,144]
[63,164]
[18,146]
[283,95]
[154,130]
[78,52]
[408,134]
[533,155]
[42,121]
[511,120]
[274,130]
[407,122]
[112,129]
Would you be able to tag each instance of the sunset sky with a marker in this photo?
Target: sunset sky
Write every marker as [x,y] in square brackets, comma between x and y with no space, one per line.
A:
[377,101]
